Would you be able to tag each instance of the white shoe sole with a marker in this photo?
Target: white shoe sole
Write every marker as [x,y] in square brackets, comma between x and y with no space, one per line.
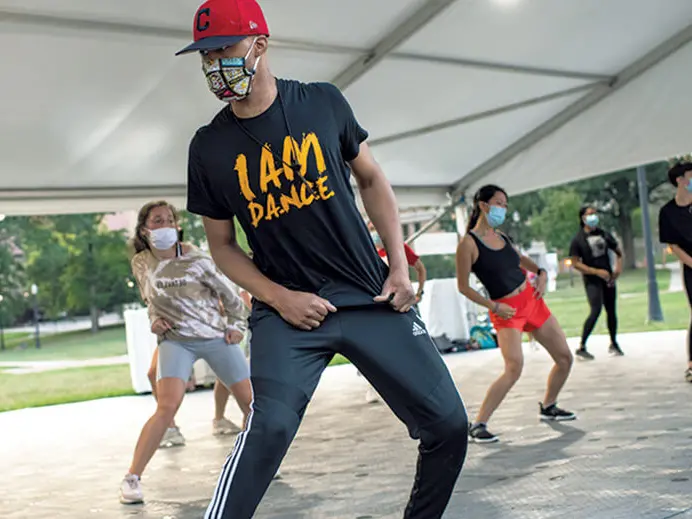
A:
[482,442]
[126,501]
[226,432]
[558,418]
[171,445]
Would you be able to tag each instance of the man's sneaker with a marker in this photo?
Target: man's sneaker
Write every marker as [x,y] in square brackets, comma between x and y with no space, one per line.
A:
[479,434]
[583,354]
[615,350]
[371,396]
[131,491]
[553,413]
[223,427]
[172,438]
[688,375]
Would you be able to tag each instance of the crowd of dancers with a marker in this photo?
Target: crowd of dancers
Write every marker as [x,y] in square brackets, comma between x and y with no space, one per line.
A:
[277,159]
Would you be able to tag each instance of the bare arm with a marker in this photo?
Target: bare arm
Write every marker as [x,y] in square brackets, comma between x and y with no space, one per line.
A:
[380,204]
[235,264]
[528,264]
[467,253]
[618,262]
[422,275]
[247,298]
[685,258]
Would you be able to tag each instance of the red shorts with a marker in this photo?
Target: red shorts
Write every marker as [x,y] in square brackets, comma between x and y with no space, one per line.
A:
[531,313]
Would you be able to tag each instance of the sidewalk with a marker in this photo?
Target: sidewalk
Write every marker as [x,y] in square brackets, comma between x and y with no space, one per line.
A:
[628,456]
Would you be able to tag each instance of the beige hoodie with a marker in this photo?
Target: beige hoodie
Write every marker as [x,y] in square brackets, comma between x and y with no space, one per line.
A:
[186,292]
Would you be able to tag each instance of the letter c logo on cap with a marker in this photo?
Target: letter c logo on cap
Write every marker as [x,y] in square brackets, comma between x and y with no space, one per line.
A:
[203,12]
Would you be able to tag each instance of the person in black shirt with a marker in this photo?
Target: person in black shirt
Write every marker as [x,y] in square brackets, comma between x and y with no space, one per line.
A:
[590,255]
[279,158]
[675,229]
[515,305]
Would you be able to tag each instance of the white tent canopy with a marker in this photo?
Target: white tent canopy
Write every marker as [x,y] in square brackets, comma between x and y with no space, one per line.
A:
[97,113]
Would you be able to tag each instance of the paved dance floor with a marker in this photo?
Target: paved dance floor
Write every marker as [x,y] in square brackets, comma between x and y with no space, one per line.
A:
[628,456]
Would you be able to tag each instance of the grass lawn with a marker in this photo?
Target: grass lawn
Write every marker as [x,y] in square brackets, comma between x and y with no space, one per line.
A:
[109,342]
[630,281]
[570,307]
[63,386]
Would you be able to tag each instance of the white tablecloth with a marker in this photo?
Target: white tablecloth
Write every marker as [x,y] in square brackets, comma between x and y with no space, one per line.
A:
[444,310]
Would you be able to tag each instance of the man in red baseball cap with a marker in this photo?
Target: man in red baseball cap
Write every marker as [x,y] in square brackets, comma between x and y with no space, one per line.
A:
[278,158]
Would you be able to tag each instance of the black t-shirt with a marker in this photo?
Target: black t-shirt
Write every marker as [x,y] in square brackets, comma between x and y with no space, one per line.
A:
[305,237]
[675,226]
[592,250]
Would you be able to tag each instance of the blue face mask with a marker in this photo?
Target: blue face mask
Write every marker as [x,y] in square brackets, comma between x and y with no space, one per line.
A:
[496,215]
[689,186]
[591,220]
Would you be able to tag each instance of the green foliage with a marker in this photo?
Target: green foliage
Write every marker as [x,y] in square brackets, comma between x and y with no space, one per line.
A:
[522,210]
[78,265]
[438,266]
[12,282]
[558,221]
[193,229]
[551,214]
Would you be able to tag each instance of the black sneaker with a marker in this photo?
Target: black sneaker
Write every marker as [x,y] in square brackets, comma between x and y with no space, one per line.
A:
[583,354]
[688,375]
[553,413]
[479,434]
[615,350]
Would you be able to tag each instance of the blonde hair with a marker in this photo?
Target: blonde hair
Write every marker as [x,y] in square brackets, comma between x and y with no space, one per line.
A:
[139,242]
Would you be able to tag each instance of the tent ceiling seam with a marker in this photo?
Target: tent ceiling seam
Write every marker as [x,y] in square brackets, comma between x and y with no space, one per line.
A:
[402,32]
[482,115]
[627,75]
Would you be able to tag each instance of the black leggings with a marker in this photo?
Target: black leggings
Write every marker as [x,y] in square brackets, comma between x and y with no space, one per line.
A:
[600,294]
[687,276]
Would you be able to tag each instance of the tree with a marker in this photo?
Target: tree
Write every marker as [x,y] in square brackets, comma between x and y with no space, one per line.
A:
[193,231]
[97,275]
[521,212]
[78,265]
[558,222]
[12,285]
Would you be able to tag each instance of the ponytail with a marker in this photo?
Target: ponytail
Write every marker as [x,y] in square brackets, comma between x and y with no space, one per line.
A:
[475,215]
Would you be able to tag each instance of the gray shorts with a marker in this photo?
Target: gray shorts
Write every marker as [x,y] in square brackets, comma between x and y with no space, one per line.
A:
[227,361]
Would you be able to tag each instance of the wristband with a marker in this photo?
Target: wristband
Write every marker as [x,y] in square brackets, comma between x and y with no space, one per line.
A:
[496,307]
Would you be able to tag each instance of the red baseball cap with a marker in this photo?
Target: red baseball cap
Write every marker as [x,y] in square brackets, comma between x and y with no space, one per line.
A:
[222,23]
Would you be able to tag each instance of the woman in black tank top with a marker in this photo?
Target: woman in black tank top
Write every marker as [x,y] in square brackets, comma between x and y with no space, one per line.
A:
[515,307]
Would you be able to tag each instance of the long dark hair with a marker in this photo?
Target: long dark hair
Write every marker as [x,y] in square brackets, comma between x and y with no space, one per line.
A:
[484,194]
[582,212]
[139,241]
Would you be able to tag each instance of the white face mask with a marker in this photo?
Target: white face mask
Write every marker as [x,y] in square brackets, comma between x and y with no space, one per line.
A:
[163,238]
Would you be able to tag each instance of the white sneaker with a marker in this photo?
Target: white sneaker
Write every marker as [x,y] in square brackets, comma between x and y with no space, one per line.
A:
[131,491]
[223,426]
[277,475]
[371,396]
[172,438]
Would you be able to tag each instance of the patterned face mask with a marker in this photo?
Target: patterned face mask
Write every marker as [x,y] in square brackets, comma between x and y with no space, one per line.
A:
[229,79]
